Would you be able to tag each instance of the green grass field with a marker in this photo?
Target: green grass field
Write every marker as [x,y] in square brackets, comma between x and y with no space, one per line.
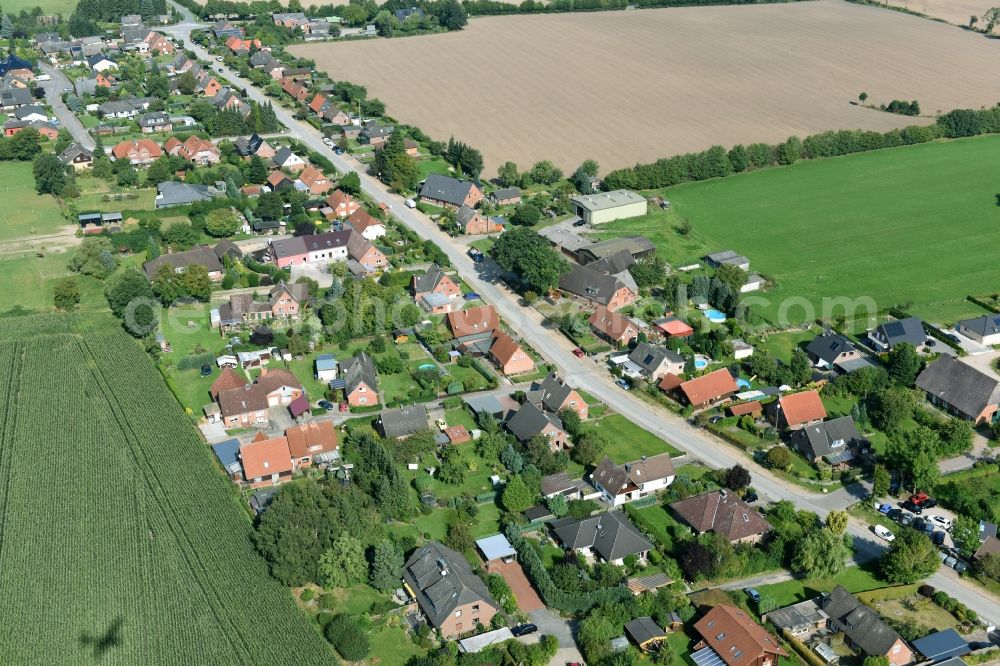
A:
[25,212]
[49,7]
[628,441]
[915,224]
[123,517]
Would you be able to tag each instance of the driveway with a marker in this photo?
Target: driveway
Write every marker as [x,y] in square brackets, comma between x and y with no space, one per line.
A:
[527,599]
[213,432]
[313,272]
[53,95]
[281,420]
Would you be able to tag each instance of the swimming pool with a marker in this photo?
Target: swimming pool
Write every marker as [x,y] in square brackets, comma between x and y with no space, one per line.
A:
[700,361]
[426,366]
[742,383]
[715,316]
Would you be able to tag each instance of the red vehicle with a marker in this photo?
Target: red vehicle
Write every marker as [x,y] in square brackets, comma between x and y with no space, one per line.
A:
[578,353]
[344,407]
[920,498]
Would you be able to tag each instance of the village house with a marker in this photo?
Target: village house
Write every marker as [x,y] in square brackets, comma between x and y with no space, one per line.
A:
[375,134]
[266,461]
[139,152]
[222,29]
[729,636]
[473,325]
[598,288]
[724,513]
[529,422]
[654,363]
[453,599]
[794,411]
[369,227]
[45,130]
[473,223]
[313,443]
[241,46]
[863,628]
[157,43]
[156,121]
[228,99]
[704,391]
[314,180]
[284,302]
[620,484]
[616,328]
[343,204]
[247,406]
[554,394]
[835,441]
[208,86]
[639,247]
[984,329]
[961,389]
[170,193]
[505,196]
[609,535]
[77,156]
[434,282]
[509,357]
[450,192]
[831,349]
[254,145]
[201,255]
[325,368]
[360,381]
[284,158]
[401,422]
[294,88]
[886,336]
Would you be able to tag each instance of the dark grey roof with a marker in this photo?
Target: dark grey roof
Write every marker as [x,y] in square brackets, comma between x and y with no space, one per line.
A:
[984,325]
[359,369]
[634,245]
[826,438]
[960,386]
[73,151]
[226,246]
[649,358]
[552,392]
[530,421]
[447,189]
[402,421]
[799,617]
[613,263]
[859,622]
[557,483]
[464,215]
[261,58]
[172,193]
[942,645]
[610,534]
[429,280]
[593,285]
[644,629]
[828,346]
[94,59]
[154,119]
[17,96]
[895,332]
[506,193]
[201,256]
[28,110]
[442,581]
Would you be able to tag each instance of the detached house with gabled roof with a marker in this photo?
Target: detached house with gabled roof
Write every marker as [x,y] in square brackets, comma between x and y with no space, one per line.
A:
[313,443]
[960,389]
[450,192]
[529,422]
[452,598]
[654,363]
[722,512]
[314,180]
[794,411]
[435,291]
[985,329]
[509,357]
[401,422]
[620,484]
[706,390]
[729,636]
[610,536]
[831,349]
[474,223]
[597,288]
[360,381]
[266,461]
[616,328]
[886,336]
[863,628]
[473,324]
[554,394]
[362,222]
[835,441]
[342,203]
[284,158]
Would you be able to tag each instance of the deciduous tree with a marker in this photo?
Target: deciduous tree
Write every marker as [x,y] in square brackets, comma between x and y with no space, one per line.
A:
[343,564]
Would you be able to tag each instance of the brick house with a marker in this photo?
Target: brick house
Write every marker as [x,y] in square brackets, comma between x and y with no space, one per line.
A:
[312,443]
[706,390]
[450,192]
[360,381]
[314,179]
[370,227]
[724,513]
[617,329]
[473,223]
[434,281]
[529,422]
[554,394]
[794,411]
[343,204]
[247,406]
[509,357]
[730,636]
[266,461]
[592,286]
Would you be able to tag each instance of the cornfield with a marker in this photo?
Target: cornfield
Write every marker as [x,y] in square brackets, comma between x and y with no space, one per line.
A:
[119,542]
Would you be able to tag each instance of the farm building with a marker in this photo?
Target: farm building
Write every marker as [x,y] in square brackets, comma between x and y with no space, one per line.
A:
[609,206]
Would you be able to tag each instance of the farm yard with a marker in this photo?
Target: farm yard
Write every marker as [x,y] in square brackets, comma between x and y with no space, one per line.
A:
[659,82]
[143,540]
[913,224]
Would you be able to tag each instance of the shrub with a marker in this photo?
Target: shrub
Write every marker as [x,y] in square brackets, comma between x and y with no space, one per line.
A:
[346,635]
[307,595]
[327,602]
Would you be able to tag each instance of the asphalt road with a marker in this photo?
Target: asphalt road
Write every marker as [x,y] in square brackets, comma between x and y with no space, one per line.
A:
[585,373]
[53,95]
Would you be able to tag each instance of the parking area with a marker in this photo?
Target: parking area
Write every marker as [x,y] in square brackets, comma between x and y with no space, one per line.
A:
[935,521]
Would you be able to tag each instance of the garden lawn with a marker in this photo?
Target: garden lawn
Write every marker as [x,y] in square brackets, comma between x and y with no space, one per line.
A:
[658,522]
[355,599]
[392,645]
[29,281]
[914,224]
[854,579]
[26,213]
[782,345]
[628,441]
[472,379]
[135,200]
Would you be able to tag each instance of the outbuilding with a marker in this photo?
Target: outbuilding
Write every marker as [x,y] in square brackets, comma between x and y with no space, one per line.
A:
[609,206]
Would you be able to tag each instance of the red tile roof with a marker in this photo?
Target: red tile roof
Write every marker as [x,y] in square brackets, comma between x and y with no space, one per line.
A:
[612,324]
[801,408]
[675,327]
[504,348]
[722,512]
[311,438]
[746,408]
[710,387]
[473,321]
[263,457]
[670,381]
[228,379]
[736,638]
[458,434]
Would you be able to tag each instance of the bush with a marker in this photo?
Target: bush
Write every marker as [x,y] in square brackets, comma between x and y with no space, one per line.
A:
[307,595]
[327,602]
[346,635]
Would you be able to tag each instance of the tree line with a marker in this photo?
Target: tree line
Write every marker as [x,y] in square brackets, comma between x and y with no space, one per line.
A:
[494,7]
[717,162]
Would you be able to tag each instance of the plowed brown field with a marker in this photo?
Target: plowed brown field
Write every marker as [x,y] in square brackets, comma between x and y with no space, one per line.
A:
[631,86]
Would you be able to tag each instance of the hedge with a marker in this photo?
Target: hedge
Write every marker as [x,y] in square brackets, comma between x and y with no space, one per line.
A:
[716,162]
[561,600]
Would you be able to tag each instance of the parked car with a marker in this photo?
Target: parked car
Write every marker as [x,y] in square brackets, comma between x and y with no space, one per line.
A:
[883,532]
[750,497]
[918,524]
[524,629]
[326,404]
[476,254]
[753,594]
[441,424]
[930,342]
[338,151]
[578,352]
[919,498]
[884,508]
[579,223]
[716,418]
[950,561]
[623,384]
[910,506]
[929,504]
[472,296]
[906,518]
[894,514]
[954,338]
[960,567]
[938,538]
[927,528]
[942,521]
[410,203]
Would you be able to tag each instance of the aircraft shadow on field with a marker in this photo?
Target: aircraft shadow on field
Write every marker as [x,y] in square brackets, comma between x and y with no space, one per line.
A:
[101,644]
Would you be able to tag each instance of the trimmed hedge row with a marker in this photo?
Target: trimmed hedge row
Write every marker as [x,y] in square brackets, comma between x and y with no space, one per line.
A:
[716,162]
